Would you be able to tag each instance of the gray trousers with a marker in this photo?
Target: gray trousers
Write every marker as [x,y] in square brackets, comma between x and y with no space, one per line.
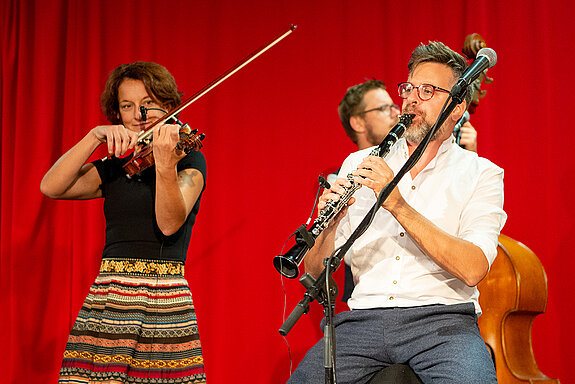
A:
[441,343]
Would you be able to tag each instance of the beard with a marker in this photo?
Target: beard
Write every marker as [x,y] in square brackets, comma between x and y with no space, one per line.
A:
[417,131]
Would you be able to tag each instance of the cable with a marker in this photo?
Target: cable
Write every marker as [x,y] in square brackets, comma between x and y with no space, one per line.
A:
[323,183]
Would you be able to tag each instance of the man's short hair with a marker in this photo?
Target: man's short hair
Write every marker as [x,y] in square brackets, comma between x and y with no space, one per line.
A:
[352,104]
[437,52]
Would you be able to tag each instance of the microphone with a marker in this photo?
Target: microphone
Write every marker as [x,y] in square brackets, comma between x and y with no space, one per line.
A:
[464,119]
[323,182]
[486,58]
[144,112]
[457,129]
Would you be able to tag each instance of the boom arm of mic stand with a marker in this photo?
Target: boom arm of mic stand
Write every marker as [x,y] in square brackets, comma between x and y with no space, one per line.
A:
[314,289]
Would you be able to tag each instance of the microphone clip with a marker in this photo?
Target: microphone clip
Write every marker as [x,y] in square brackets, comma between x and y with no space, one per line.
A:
[144,113]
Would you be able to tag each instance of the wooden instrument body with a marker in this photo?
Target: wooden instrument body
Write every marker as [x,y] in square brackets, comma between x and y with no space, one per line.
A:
[511,295]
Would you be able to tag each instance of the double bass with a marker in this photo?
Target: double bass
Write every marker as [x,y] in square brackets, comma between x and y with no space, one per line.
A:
[514,291]
[512,294]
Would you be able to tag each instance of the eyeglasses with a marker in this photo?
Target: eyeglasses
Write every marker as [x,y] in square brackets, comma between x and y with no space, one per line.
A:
[382,108]
[424,91]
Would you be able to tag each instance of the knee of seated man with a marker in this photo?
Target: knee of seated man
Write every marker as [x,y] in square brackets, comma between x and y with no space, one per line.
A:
[468,370]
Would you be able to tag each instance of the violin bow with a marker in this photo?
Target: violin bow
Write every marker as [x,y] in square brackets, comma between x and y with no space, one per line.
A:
[192,99]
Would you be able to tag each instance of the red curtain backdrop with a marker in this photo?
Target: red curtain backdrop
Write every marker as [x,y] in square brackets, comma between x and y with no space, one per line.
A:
[270,130]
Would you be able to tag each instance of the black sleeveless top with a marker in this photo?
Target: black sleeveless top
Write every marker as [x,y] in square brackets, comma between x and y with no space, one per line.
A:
[131,228]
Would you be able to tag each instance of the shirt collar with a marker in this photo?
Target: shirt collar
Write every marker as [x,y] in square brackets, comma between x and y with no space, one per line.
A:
[445,146]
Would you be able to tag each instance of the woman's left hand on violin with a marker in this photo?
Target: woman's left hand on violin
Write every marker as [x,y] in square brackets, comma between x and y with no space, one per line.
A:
[165,139]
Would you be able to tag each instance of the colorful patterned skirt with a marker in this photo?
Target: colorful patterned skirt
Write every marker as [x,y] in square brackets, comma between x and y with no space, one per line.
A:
[137,325]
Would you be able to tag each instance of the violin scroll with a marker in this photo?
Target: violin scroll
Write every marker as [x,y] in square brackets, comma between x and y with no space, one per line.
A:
[190,141]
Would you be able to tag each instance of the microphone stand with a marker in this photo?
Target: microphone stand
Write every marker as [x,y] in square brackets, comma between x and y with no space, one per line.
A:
[316,289]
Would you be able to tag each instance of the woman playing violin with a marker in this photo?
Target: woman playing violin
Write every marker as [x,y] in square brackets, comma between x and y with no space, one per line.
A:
[138,323]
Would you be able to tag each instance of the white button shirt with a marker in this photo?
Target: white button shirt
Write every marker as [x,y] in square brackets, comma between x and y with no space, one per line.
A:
[457,191]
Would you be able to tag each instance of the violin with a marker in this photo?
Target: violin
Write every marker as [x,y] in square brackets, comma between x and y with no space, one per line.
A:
[189,139]
[143,157]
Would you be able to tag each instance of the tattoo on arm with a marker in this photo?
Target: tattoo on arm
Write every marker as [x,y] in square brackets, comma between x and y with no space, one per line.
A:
[187,179]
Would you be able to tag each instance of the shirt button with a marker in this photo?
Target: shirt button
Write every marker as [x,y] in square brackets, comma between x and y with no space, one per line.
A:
[413,187]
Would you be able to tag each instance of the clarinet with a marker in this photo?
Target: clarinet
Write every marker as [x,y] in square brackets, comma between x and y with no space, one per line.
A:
[288,263]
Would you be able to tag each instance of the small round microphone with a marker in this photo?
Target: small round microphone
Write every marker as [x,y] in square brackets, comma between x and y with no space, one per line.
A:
[323,182]
[143,112]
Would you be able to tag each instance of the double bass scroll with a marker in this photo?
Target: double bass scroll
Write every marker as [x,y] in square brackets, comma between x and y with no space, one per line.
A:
[471,45]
